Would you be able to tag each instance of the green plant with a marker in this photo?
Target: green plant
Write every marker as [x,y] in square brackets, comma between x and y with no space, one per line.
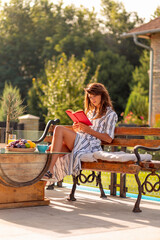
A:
[11,106]
[64,87]
[132,118]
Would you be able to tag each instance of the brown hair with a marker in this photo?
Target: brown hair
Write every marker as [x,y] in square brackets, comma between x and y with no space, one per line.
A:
[97,89]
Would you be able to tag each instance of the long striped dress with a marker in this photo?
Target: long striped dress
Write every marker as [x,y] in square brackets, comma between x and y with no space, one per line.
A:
[70,164]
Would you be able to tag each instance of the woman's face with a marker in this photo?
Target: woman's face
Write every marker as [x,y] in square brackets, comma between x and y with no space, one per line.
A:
[95,100]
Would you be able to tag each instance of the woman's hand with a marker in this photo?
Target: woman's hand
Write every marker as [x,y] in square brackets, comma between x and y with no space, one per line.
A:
[81,127]
[75,127]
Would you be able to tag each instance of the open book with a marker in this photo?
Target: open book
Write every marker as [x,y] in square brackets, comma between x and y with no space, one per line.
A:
[78,116]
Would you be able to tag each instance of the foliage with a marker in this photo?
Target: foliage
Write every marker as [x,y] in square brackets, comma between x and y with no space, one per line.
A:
[140,74]
[33,32]
[80,31]
[11,106]
[118,21]
[11,103]
[136,110]
[115,73]
[156,13]
[132,118]
[35,104]
[64,88]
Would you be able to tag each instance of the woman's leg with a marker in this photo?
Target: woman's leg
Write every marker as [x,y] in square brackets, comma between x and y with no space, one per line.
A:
[63,139]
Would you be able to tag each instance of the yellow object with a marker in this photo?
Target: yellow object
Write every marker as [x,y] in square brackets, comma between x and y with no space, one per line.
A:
[11,138]
[32,144]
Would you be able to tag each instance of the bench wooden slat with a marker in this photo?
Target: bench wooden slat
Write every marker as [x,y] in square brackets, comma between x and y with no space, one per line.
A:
[133,142]
[154,164]
[124,142]
[138,131]
[111,167]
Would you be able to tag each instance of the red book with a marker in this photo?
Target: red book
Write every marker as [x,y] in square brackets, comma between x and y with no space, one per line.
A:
[78,116]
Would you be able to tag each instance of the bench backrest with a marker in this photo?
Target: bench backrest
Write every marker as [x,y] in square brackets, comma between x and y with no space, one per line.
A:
[130,137]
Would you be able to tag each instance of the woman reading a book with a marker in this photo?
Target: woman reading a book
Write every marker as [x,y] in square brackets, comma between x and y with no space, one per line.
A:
[84,138]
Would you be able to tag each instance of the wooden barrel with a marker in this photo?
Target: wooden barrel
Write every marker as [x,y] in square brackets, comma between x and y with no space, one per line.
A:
[23,169]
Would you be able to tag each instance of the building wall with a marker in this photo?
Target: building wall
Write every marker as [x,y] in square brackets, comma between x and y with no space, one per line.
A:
[31,126]
[155,44]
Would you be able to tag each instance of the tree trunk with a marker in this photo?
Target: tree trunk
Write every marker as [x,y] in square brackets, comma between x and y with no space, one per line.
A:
[7,128]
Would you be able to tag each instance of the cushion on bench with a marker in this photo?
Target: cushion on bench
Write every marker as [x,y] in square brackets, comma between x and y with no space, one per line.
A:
[88,157]
[113,157]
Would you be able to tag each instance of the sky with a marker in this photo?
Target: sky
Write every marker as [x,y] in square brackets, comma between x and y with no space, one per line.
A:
[144,8]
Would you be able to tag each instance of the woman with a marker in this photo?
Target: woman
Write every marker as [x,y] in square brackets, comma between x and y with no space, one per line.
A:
[84,138]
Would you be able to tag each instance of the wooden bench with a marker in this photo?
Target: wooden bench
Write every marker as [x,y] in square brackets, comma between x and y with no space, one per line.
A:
[135,138]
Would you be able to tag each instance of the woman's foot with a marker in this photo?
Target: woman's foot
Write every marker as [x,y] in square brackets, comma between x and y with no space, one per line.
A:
[48,176]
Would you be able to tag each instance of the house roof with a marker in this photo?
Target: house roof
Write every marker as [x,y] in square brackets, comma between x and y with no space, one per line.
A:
[145,30]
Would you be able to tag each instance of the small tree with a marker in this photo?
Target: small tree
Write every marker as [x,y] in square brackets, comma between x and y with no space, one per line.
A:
[64,88]
[11,106]
[138,105]
[35,103]
[140,74]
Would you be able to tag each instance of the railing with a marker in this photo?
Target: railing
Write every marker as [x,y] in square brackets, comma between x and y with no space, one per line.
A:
[24,134]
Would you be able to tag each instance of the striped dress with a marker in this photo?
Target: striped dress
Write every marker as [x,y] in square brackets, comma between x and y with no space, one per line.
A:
[70,164]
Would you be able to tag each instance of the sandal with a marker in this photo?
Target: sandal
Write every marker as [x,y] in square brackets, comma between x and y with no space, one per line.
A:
[48,174]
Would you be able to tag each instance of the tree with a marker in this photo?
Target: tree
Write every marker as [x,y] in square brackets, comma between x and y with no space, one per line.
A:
[64,88]
[35,104]
[118,21]
[115,73]
[24,31]
[138,103]
[11,106]
[32,32]
[140,74]
[156,13]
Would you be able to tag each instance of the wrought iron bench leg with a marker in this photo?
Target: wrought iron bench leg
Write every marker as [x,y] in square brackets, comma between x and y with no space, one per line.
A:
[99,183]
[59,184]
[136,206]
[71,196]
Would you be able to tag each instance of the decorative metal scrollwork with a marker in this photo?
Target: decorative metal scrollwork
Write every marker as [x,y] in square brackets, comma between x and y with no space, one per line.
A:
[90,178]
[84,179]
[147,186]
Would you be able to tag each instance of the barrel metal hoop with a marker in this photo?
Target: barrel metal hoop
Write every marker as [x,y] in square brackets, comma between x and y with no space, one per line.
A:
[13,183]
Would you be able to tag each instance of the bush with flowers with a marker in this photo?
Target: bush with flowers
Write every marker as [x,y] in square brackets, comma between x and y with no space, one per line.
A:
[136,111]
[132,118]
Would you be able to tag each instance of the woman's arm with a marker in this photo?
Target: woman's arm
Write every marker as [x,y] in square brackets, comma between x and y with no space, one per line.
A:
[102,136]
